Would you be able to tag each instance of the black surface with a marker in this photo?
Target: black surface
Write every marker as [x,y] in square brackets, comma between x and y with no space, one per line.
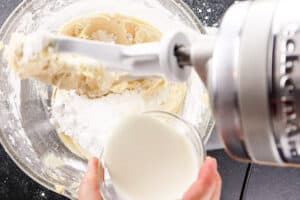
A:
[15,185]
[268,183]
[209,11]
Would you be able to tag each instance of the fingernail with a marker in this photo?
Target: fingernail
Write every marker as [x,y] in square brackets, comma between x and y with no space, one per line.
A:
[212,162]
[93,165]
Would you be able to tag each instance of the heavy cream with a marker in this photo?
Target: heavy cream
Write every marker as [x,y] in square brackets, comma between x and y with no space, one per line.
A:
[148,159]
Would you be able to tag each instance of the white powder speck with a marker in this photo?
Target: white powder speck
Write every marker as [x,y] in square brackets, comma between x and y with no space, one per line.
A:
[35,43]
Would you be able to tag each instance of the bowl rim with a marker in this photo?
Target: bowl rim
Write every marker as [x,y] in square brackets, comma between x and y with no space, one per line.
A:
[181,5]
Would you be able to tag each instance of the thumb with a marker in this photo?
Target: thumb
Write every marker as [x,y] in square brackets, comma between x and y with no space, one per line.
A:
[208,185]
[89,186]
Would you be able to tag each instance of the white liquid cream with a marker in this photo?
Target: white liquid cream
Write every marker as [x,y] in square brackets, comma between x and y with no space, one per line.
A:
[148,159]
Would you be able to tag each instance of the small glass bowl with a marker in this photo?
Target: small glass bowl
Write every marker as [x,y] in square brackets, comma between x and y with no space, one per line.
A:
[107,188]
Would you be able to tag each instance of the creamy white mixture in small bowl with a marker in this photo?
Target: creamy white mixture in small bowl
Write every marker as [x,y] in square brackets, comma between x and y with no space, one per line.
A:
[153,155]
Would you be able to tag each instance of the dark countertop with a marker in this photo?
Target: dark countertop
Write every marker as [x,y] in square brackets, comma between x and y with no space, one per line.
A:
[264,183]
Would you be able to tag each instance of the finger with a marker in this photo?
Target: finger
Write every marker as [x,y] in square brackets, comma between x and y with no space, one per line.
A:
[89,187]
[206,184]
[218,189]
[215,176]
[209,165]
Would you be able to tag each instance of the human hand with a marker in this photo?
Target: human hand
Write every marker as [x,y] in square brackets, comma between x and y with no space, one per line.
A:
[206,187]
[90,184]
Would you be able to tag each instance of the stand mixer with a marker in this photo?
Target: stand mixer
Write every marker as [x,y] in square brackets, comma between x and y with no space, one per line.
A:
[250,69]
[253,81]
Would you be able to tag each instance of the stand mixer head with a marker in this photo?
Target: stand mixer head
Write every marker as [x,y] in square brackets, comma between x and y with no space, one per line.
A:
[253,81]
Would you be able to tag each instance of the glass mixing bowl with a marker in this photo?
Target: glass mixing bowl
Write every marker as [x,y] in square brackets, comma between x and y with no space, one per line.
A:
[27,133]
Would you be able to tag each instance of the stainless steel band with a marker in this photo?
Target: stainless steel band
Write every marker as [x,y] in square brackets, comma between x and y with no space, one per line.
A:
[222,81]
[253,90]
